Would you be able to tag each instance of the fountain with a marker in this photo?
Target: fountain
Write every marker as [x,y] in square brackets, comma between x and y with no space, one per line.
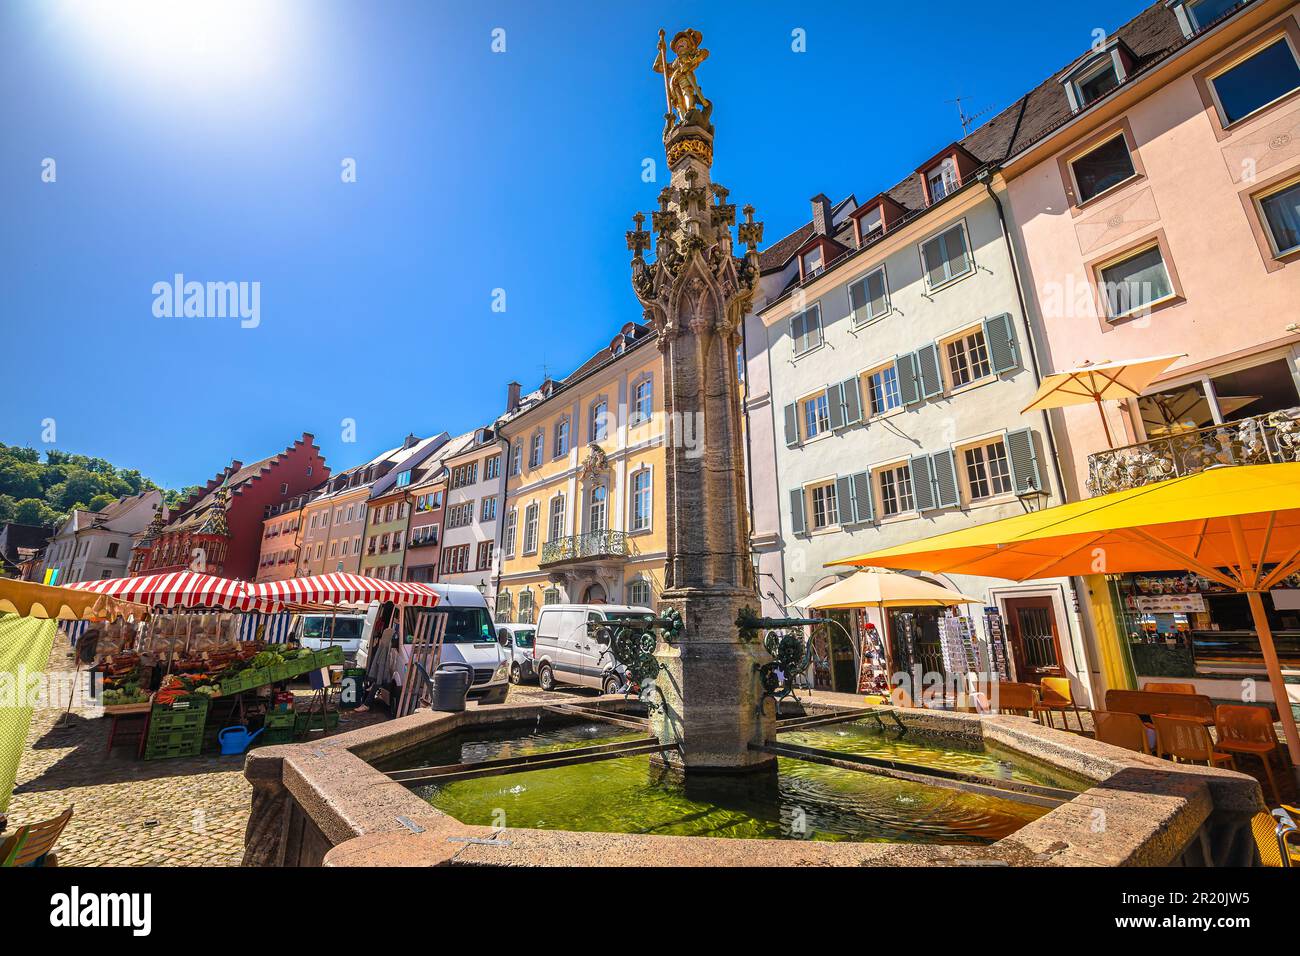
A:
[700,743]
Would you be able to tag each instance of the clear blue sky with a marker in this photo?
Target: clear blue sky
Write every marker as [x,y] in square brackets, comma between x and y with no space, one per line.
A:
[210,144]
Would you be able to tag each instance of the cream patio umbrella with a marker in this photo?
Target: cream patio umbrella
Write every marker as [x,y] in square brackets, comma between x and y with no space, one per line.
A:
[1098,382]
[881,588]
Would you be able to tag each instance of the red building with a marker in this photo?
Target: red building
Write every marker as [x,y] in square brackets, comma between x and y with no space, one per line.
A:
[219,529]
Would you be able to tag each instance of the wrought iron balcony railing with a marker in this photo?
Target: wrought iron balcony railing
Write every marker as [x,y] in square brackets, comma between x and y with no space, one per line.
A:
[1261,440]
[593,544]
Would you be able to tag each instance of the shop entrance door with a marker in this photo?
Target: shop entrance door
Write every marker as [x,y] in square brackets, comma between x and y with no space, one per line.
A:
[1035,644]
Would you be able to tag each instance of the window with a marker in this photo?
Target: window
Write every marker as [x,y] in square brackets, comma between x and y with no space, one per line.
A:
[530,528]
[561,438]
[535,452]
[1096,84]
[526,606]
[388,514]
[455,560]
[642,401]
[503,606]
[492,468]
[403,480]
[460,515]
[484,557]
[1280,212]
[882,390]
[1135,283]
[463,475]
[816,416]
[825,507]
[869,297]
[871,225]
[945,257]
[1264,77]
[284,487]
[557,518]
[516,458]
[987,471]
[598,509]
[489,510]
[812,263]
[638,593]
[112,550]
[508,537]
[1201,13]
[806,329]
[968,359]
[598,427]
[1103,168]
[896,490]
[642,500]
[941,180]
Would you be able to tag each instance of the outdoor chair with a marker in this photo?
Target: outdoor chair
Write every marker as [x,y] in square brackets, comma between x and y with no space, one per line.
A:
[1122,730]
[1018,699]
[1054,696]
[1145,703]
[1277,837]
[1186,738]
[32,845]
[1172,688]
[1244,729]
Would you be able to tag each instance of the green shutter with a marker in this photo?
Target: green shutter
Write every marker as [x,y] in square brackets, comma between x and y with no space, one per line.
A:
[834,407]
[796,510]
[792,424]
[1024,460]
[844,499]
[863,510]
[927,363]
[944,466]
[936,267]
[798,331]
[878,293]
[858,301]
[909,387]
[852,401]
[1001,343]
[922,483]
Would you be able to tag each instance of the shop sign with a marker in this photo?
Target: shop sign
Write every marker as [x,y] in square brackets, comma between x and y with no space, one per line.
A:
[1171,603]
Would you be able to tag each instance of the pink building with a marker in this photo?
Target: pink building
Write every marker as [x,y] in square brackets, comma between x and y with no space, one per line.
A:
[1154,192]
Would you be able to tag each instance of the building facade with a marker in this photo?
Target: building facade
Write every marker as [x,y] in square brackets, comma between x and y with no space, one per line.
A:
[281,539]
[583,519]
[474,480]
[426,498]
[97,544]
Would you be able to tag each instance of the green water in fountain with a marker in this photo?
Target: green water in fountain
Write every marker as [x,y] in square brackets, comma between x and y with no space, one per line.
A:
[806,800]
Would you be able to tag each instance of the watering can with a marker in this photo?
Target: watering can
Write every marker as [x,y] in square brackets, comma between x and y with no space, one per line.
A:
[235,740]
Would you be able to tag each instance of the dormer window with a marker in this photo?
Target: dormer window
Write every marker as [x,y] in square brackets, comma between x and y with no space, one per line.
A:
[812,263]
[1097,74]
[1195,15]
[1098,83]
[871,226]
[940,180]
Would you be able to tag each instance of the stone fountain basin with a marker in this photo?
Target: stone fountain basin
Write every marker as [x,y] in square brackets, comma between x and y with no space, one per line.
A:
[324,803]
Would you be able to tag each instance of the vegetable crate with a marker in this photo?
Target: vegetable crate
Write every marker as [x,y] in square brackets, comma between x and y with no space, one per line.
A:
[176,729]
[308,722]
[328,656]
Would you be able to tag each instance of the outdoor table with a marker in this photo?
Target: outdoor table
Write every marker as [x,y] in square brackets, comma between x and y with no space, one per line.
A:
[119,711]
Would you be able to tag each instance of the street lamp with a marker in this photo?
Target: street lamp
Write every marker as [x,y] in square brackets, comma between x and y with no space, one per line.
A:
[1032,498]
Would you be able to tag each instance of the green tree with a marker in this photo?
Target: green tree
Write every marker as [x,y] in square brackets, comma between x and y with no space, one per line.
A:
[35,511]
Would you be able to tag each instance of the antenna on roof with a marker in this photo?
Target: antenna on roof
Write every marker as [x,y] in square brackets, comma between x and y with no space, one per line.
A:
[967,119]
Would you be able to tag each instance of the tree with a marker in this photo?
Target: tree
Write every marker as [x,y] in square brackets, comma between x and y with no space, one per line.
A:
[101,501]
[35,511]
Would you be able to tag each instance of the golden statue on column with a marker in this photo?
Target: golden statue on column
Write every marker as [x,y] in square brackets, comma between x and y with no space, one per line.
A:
[681,88]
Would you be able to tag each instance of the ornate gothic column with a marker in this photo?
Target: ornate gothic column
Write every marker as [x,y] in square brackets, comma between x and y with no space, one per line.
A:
[695,294]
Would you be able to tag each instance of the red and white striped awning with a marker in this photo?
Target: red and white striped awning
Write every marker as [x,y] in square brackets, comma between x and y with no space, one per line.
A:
[183,589]
[334,589]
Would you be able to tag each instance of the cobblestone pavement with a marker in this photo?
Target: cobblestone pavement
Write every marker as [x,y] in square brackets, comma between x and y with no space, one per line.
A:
[188,811]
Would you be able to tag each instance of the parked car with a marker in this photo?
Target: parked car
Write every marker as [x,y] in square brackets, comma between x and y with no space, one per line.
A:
[517,639]
[322,631]
[571,646]
[470,639]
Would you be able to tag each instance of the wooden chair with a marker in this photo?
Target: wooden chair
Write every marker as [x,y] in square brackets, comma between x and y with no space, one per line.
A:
[1186,738]
[32,845]
[1174,688]
[1121,730]
[1244,729]
[1013,698]
[1054,696]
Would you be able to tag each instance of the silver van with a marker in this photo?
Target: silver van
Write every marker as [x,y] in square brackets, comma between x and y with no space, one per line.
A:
[567,647]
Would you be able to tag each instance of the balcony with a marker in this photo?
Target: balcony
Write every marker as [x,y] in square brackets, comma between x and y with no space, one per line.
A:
[1261,440]
[593,546]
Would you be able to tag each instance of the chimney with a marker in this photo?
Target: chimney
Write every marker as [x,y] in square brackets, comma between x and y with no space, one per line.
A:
[411,441]
[821,208]
[512,396]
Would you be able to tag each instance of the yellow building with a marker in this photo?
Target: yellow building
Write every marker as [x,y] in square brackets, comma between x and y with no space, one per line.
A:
[585,515]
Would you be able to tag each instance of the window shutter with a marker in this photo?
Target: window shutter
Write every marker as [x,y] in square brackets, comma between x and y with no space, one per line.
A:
[858,301]
[835,406]
[798,329]
[909,388]
[844,499]
[796,510]
[791,424]
[879,294]
[1001,343]
[862,505]
[927,363]
[852,401]
[1024,460]
[922,483]
[935,266]
[944,466]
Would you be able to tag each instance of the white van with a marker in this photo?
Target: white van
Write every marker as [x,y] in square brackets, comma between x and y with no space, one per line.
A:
[322,631]
[568,651]
[470,639]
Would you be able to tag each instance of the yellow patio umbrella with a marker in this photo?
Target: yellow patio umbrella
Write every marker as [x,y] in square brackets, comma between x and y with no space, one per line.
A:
[1238,525]
[880,587]
[1098,382]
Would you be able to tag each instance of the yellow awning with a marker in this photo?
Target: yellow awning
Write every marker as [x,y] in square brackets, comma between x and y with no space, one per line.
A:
[29,599]
[879,587]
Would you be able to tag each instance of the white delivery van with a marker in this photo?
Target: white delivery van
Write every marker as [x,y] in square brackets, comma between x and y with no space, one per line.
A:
[322,631]
[470,639]
[568,648]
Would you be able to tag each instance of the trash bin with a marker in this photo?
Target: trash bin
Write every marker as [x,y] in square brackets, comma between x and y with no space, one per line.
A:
[449,685]
[352,689]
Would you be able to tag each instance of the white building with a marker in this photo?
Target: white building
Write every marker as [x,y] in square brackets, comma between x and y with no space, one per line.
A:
[475,496]
[97,544]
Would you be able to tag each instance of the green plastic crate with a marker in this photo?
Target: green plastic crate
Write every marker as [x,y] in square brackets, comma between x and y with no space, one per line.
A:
[308,722]
[282,735]
[278,719]
[328,656]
